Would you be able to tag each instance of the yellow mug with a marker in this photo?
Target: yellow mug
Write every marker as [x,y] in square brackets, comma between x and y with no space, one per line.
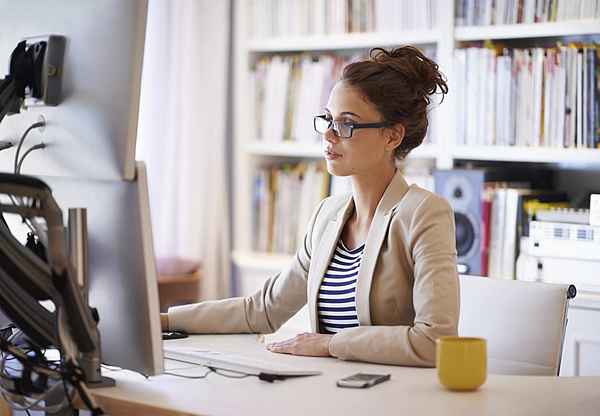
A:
[461,362]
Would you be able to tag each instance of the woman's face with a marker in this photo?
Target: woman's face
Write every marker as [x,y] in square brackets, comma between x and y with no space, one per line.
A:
[368,149]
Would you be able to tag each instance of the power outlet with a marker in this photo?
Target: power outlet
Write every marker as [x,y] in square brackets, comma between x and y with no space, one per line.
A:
[595,209]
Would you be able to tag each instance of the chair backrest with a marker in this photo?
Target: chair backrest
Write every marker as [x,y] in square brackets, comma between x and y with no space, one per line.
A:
[524,323]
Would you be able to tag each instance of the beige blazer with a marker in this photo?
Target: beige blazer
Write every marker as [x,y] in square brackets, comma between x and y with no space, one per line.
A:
[407,292]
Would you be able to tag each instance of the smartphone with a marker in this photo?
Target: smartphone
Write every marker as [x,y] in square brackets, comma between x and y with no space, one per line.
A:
[362,380]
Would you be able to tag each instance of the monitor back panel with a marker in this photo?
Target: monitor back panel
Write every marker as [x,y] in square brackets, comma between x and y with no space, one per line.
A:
[92,132]
[122,274]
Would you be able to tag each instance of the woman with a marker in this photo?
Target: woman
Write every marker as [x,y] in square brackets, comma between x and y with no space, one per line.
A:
[377,268]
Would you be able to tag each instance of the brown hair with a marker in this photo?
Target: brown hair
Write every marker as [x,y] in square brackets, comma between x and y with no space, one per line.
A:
[399,83]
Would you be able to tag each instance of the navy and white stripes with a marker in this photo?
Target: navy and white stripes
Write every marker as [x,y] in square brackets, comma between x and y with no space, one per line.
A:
[336,302]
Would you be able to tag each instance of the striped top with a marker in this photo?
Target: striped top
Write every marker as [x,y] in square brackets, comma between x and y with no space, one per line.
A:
[336,304]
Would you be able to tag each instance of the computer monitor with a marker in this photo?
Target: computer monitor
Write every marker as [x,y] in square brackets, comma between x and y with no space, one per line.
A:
[122,272]
[92,132]
[121,268]
[90,159]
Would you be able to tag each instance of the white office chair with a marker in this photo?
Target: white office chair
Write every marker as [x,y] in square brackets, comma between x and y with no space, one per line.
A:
[524,322]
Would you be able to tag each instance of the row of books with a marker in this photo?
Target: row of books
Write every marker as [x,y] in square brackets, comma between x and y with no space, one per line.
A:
[284,198]
[287,91]
[546,97]
[285,195]
[288,18]
[502,12]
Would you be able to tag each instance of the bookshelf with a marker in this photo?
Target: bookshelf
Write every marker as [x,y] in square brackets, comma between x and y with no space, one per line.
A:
[249,153]
[315,151]
[532,30]
[582,157]
[339,42]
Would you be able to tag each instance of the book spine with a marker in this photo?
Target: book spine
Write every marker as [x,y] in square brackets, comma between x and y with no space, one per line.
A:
[486,208]
[497,226]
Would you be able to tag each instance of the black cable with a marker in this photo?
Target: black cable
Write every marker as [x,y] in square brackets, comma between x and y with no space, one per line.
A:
[5,144]
[27,411]
[96,411]
[64,371]
[261,376]
[31,149]
[239,373]
[210,370]
[23,137]
[213,370]
[76,377]
[68,396]
[7,331]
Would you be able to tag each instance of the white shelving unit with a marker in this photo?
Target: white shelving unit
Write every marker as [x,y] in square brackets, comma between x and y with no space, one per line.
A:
[250,153]
[580,354]
[533,30]
[527,154]
[315,151]
[342,41]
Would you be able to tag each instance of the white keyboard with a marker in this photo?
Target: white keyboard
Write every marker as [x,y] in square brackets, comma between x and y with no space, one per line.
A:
[233,362]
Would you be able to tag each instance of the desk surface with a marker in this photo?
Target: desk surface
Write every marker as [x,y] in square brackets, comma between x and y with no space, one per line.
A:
[411,391]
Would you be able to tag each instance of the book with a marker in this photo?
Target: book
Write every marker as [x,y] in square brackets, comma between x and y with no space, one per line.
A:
[486,210]
[502,12]
[534,97]
[283,199]
[497,227]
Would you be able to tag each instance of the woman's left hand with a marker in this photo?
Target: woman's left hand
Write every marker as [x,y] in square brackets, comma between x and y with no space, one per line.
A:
[311,344]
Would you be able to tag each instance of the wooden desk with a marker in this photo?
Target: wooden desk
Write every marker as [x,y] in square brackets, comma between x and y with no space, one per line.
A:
[411,391]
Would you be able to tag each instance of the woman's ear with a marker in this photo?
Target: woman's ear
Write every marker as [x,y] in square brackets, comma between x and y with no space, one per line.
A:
[394,136]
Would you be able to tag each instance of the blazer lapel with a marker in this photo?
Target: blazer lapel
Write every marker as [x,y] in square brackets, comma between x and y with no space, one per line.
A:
[321,256]
[377,232]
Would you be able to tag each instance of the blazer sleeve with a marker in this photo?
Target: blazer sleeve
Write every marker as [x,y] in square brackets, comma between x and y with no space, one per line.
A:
[435,297]
[263,312]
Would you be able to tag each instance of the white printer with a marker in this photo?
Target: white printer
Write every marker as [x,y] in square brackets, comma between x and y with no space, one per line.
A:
[561,252]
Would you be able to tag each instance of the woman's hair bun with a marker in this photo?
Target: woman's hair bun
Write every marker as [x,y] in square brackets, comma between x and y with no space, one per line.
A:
[399,83]
[414,67]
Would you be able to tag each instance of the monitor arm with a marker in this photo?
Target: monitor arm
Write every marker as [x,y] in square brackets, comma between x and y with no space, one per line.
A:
[22,75]
[38,281]
[25,280]
[10,99]
[35,72]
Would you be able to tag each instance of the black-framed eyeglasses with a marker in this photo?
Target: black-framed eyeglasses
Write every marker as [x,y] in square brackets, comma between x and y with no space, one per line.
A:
[342,129]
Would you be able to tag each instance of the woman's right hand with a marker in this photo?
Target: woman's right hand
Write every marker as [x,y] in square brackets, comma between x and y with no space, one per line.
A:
[164,321]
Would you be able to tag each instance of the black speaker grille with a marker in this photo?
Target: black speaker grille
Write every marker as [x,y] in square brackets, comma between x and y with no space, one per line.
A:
[465,234]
